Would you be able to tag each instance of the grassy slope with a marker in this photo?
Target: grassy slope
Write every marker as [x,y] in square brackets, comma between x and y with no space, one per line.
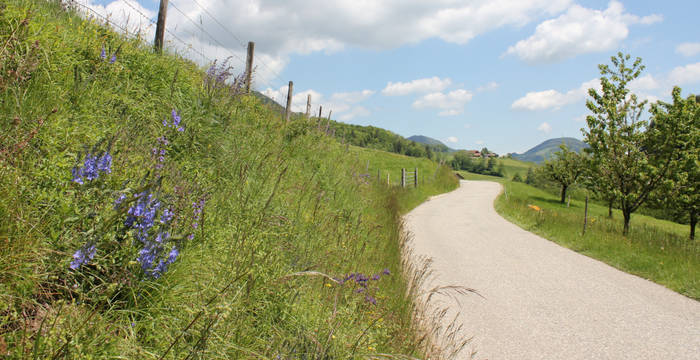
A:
[280,200]
[657,250]
[513,166]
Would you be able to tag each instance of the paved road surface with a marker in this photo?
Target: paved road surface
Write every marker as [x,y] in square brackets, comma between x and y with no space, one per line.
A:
[544,301]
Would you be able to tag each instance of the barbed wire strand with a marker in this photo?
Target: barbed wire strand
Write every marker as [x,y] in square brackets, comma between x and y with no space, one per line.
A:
[172,3]
[240,42]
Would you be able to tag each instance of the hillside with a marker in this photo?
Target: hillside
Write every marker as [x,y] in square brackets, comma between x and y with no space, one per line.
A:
[152,211]
[430,141]
[544,150]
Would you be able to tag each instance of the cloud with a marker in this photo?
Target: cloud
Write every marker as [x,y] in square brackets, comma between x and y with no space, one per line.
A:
[581,118]
[545,128]
[282,28]
[553,99]
[644,83]
[433,84]
[344,105]
[451,103]
[488,87]
[452,140]
[689,74]
[688,48]
[578,31]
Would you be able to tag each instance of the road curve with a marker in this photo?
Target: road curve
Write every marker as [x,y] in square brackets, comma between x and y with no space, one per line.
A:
[543,301]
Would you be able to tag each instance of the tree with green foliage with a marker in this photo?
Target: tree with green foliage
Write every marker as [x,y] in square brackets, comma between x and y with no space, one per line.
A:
[564,167]
[617,138]
[681,191]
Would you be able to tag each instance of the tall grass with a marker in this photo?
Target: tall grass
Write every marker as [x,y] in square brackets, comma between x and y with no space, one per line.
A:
[259,269]
[655,249]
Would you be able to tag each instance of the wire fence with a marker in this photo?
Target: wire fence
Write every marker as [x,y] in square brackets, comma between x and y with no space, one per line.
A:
[185,48]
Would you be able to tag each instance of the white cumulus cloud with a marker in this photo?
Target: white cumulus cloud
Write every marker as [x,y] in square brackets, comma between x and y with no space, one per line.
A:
[451,103]
[688,74]
[578,31]
[344,105]
[426,85]
[688,48]
[488,87]
[282,28]
[545,128]
[452,140]
[553,99]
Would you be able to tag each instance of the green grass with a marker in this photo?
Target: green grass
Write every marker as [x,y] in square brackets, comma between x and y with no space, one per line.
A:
[432,179]
[284,206]
[657,250]
[512,167]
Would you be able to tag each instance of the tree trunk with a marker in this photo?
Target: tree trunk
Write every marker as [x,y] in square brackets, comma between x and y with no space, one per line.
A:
[563,193]
[627,215]
[610,204]
[693,222]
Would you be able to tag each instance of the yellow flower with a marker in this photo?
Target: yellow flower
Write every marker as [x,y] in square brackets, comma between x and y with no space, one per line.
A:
[534,207]
[328,285]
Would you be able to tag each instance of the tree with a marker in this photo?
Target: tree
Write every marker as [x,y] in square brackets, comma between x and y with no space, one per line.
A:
[616,137]
[564,167]
[681,191]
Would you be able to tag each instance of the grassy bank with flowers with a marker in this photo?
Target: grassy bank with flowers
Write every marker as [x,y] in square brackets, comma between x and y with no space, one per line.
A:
[655,249]
[151,210]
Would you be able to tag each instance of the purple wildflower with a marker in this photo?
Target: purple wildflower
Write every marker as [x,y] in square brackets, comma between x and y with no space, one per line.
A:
[103,54]
[371,300]
[83,256]
[180,129]
[165,122]
[375,277]
[166,216]
[104,164]
[113,59]
[119,200]
[176,118]
[386,272]
[190,237]
[360,290]
[77,175]
[90,170]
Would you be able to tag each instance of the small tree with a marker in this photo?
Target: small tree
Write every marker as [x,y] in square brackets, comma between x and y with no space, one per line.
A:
[681,193]
[616,137]
[564,168]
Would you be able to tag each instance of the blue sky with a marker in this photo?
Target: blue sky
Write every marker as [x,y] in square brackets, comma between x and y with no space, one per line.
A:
[505,74]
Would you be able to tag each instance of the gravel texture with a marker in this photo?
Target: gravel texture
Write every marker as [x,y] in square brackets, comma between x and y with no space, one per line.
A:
[542,301]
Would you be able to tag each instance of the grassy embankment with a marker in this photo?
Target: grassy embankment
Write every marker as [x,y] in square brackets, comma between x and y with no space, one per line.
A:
[655,249]
[93,266]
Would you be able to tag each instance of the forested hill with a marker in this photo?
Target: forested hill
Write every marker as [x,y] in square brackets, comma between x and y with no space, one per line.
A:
[430,141]
[544,150]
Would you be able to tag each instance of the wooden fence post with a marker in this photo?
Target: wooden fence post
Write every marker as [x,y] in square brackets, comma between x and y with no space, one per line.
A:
[320,111]
[288,109]
[585,216]
[160,26]
[249,66]
[308,106]
[415,178]
[329,114]
[388,182]
[403,177]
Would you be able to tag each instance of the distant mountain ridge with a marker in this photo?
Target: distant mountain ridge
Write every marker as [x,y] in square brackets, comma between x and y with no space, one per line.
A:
[544,151]
[430,141]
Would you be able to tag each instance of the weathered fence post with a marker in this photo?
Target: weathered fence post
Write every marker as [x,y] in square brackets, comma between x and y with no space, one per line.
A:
[329,115]
[308,106]
[403,177]
[288,109]
[249,66]
[585,216]
[160,26]
[320,111]
[415,178]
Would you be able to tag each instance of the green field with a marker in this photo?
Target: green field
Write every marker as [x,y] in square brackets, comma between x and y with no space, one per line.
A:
[655,249]
[212,230]
[512,167]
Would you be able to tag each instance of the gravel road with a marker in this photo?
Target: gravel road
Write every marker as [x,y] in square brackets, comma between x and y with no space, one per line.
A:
[543,301]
